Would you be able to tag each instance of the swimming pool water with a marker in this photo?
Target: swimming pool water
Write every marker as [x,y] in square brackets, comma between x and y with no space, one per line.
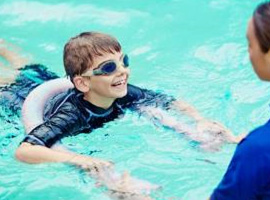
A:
[194,50]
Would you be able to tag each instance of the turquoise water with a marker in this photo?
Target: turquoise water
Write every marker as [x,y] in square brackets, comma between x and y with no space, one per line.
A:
[194,50]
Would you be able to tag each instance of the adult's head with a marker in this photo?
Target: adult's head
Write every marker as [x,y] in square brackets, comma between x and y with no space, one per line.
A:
[258,35]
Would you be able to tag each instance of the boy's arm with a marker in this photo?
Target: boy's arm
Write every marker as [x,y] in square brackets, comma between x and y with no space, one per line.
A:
[39,154]
[118,186]
[204,124]
[166,120]
[36,146]
[103,172]
[187,109]
[148,98]
[154,104]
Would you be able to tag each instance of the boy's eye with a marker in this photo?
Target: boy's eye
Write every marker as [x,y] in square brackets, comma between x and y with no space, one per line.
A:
[109,67]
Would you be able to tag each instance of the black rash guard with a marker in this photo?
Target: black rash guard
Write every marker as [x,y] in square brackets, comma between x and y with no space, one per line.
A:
[69,114]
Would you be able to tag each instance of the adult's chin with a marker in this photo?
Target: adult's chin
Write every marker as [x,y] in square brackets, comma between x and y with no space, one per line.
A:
[262,73]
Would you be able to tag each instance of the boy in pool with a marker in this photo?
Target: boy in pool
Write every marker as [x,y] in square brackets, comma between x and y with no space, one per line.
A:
[99,71]
[17,82]
[97,67]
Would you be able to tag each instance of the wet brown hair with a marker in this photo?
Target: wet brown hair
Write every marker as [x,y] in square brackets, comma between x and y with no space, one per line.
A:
[81,50]
[261,20]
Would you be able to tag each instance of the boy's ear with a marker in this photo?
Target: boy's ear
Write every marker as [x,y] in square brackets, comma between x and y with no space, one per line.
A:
[82,84]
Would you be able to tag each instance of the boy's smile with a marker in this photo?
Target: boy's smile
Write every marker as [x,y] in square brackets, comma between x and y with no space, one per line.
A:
[121,84]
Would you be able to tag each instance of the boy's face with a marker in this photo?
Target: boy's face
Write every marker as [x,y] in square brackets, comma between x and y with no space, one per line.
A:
[112,86]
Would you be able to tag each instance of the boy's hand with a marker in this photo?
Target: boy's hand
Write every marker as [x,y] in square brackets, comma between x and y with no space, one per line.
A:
[129,188]
[214,128]
[93,165]
[127,196]
[128,184]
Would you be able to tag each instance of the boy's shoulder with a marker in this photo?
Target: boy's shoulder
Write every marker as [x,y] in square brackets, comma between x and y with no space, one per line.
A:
[134,94]
[69,100]
[137,96]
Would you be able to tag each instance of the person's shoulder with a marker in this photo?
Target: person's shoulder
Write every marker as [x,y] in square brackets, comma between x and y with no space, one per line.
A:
[257,141]
[139,92]
[67,100]
[134,94]
[260,136]
[132,88]
[134,91]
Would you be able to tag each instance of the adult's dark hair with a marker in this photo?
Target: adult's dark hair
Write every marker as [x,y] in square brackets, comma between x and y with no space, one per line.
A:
[81,50]
[261,19]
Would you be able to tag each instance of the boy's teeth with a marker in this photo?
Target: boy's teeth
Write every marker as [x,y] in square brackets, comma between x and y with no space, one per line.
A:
[119,82]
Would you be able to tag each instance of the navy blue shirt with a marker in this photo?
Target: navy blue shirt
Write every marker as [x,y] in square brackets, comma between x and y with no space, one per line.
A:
[248,175]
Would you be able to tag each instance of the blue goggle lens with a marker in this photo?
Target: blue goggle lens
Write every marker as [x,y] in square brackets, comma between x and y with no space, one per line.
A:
[109,67]
[126,61]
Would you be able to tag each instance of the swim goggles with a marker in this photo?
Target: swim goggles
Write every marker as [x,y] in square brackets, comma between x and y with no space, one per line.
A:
[106,68]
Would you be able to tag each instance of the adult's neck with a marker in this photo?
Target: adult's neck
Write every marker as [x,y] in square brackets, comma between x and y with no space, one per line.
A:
[102,102]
